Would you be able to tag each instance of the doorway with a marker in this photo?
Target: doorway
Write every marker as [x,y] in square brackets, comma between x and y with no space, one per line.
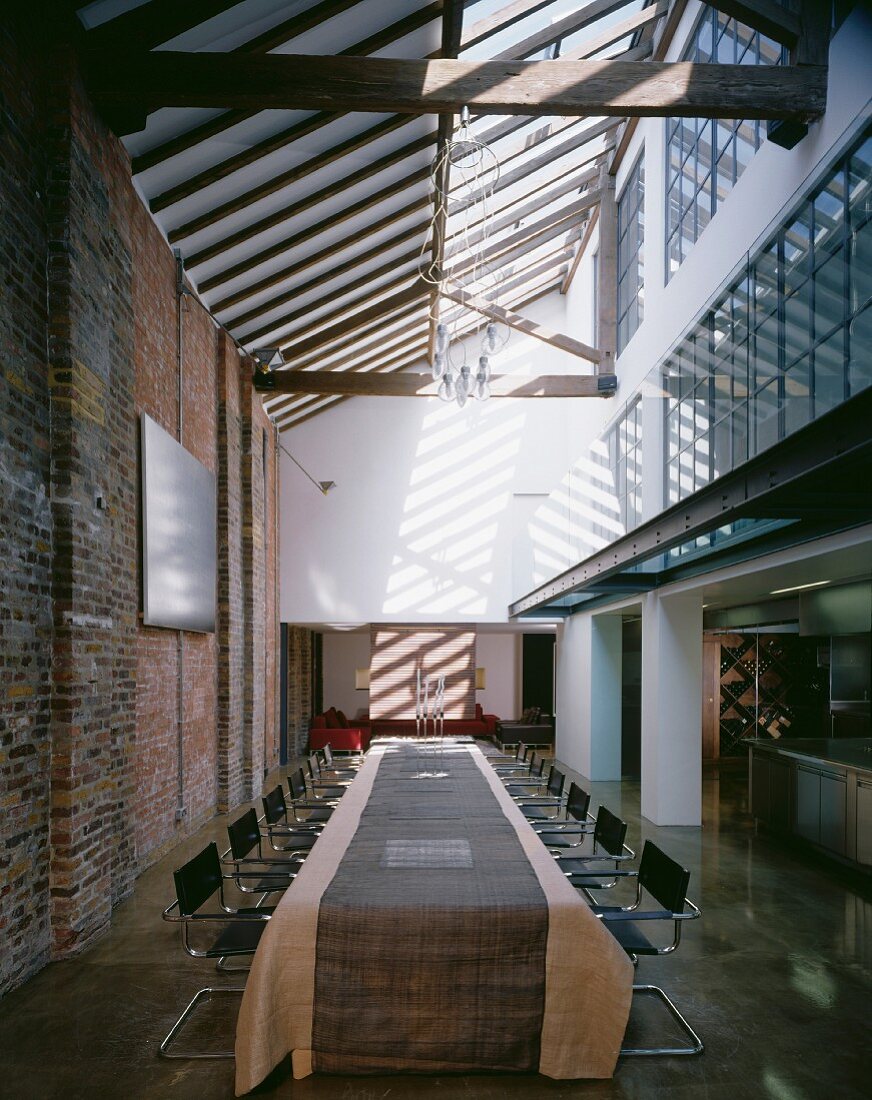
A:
[537,672]
[631,698]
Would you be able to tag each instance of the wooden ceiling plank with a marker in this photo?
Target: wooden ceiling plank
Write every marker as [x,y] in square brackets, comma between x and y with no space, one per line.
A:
[215,126]
[636,22]
[536,200]
[326,320]
[562,28]
[300,82]
[275,249]
[149,25]
[408,296]
[501,20]
[312,164]
[335,187]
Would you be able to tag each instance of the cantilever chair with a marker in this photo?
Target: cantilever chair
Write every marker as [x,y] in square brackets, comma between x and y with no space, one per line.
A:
[520,765]
[270,874]
[199,880]
[570,830]
[509,760]
[332,789]
[334,768]
[318,809]
[534,778]
[545,807]
[666,881]
[281,826]
[584,868]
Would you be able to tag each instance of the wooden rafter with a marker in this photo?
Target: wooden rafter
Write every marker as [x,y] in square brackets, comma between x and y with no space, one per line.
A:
[335,187]
[324,403]
[311,232]
[288,31]
[563,28]
[514,320]
[147,26]
[636,22]
[300,82]
[580,250]
[395,384]
[501,20]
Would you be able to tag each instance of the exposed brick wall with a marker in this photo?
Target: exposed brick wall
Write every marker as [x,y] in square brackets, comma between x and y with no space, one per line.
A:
[94,519]
[89,727]
[300,642]
[231,611]
[25,518]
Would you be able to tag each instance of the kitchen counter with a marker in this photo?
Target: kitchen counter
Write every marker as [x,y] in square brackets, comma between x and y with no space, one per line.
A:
[845,752]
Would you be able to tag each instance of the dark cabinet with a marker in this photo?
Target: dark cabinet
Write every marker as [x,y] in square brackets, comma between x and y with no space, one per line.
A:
[834,806]
[780,786]
[808,803]
[864,822]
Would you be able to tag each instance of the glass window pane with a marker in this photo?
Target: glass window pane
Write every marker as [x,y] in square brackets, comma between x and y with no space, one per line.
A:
[829,373]
[829,295]
[766,416]
[797,404]
[860,365]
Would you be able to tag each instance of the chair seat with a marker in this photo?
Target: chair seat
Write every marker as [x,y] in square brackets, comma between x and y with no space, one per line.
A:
[561,840]
[537,813]
[631,937]
[318,815]
[582,866]
[239,938]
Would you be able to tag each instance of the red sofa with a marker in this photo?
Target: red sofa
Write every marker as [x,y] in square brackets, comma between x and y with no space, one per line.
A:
[483,725]
[333,728]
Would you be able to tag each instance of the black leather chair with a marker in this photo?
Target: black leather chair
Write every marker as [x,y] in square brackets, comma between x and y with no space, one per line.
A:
[259,873]
[666,882]
[576,823]
[585,867]
[197,882]
[321,788]
[284,832]
[545,807]
[317,811]
[333,768]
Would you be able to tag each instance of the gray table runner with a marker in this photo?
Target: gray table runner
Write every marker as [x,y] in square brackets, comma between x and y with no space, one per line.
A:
[431,937]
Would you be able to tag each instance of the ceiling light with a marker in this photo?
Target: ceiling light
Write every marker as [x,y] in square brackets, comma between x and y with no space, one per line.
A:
[797,588]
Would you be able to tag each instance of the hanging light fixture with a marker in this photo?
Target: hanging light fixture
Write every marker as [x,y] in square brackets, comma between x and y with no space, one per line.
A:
[478,169]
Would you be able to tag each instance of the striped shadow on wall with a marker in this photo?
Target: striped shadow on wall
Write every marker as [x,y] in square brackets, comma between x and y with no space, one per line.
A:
[397,654]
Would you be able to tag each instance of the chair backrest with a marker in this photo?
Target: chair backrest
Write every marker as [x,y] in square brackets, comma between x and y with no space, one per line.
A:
[314,765]
[578,802]
[609,832]
[244,834]
[328,755]
[297,784]
[663,878]
[274,808]
[555,782]
[521,752]
[198,879]
[540,767]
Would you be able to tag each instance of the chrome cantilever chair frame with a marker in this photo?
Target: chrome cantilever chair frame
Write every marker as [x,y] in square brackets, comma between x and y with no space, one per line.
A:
[173,914]
[632,913]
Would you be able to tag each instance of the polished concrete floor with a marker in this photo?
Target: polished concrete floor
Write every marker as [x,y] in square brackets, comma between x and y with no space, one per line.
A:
[776,977]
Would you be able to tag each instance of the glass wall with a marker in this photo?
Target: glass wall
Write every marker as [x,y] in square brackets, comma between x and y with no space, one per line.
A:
[631,240]
[705,157]
[787,341]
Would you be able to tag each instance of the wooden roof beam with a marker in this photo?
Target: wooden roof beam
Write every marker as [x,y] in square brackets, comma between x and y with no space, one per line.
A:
[299,82]
[523,324]
[406,384]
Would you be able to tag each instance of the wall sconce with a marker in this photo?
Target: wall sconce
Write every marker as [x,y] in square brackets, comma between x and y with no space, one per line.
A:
[361,679]
[480,679]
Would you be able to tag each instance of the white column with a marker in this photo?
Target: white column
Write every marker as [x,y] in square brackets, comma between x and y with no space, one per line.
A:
[589,695]
[672,709]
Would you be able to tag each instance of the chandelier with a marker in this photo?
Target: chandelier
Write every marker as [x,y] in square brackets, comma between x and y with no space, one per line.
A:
[474,170]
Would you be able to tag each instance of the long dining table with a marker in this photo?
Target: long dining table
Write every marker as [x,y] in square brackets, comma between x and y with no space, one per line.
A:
[430,931]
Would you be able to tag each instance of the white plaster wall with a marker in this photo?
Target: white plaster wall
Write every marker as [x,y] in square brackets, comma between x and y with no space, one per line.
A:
[422,523]
[341,655]
[499,656]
